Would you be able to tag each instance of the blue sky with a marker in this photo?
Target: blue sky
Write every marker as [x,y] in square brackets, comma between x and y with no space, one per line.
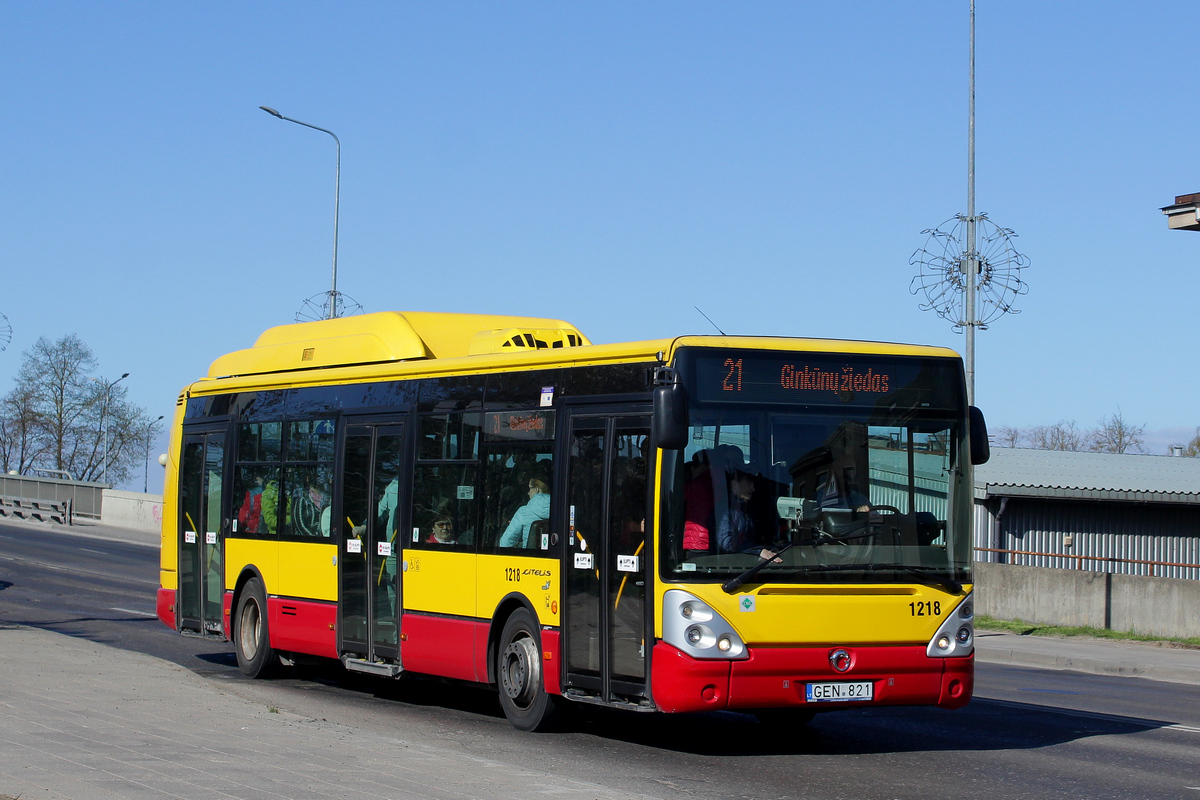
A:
[612,164]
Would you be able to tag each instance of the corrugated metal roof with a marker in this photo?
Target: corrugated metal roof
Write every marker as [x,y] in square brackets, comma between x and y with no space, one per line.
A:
[1093,476]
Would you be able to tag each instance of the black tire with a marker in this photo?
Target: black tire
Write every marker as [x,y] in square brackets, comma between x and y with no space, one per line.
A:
[519,676]
[251,640]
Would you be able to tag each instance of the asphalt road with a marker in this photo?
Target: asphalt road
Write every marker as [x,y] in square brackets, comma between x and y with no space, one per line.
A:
[1028,733]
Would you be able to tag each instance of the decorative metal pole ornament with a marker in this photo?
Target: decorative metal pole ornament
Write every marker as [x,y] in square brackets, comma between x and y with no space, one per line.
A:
[331,304]
[969,271]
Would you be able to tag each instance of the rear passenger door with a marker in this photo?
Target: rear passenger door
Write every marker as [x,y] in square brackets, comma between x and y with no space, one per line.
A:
[203,526]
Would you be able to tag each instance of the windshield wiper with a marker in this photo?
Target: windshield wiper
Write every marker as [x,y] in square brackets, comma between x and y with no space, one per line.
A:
[952,585]
[733,584]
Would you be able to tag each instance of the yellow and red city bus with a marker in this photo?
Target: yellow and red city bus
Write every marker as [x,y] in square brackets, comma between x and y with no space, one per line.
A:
[768,524]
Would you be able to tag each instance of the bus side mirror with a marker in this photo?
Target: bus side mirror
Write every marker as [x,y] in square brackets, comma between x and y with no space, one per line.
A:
[981,451]
[671,416]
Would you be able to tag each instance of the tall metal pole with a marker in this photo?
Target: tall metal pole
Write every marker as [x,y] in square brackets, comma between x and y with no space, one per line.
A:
[972,261]
[337,181]
[108,387]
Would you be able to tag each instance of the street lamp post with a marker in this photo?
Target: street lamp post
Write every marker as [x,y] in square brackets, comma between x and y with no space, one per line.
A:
[108,387]
[146,472]
[337,180]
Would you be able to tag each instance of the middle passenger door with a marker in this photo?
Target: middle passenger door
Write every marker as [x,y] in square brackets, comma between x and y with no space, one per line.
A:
[371,513]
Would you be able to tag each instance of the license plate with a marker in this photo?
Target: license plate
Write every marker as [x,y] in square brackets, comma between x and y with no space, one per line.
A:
[839,692]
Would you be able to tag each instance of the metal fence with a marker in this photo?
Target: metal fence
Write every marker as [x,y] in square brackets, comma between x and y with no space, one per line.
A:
[86,498]
[1159,540]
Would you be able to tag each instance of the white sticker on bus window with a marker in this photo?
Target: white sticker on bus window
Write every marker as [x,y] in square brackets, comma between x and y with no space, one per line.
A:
[545,541]
[583,561]
[189,537]
[354,545]
[627,563]
[466,493]
[234,523]
[688,566]
[547,396]
[416,534]
[385,548]
[210,537]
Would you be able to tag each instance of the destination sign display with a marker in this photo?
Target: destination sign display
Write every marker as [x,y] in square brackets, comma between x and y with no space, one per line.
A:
[518,425]
[747,376]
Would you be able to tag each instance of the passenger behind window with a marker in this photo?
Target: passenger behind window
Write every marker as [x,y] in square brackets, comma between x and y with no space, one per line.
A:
[538,507]
[443,532]
[250,512]
[270,507]
[706,478]
[310,511]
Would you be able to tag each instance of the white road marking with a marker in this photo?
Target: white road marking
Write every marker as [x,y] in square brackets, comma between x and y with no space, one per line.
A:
[131,611]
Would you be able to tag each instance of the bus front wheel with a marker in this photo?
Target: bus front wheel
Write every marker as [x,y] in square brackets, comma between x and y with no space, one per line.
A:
[519,675]
[251,639]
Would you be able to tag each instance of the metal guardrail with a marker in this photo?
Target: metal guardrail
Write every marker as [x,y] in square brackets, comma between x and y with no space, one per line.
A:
[86,497]
[40,510]
[1079,559]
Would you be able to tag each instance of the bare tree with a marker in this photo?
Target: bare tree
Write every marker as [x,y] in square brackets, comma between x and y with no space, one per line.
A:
[21,439]
[1192,448]
[1062,435]
[1008,436]
[1117,435]
[57,413]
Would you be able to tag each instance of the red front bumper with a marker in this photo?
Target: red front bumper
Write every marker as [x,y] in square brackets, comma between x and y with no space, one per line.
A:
[775,677]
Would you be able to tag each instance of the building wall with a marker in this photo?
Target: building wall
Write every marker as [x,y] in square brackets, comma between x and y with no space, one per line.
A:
[1067,529]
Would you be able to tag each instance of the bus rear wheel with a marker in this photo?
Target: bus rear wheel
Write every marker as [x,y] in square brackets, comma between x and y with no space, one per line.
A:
[519,676]
[251,639]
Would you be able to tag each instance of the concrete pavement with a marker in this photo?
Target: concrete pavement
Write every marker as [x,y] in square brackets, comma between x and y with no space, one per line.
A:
[84,721]
[1152,660]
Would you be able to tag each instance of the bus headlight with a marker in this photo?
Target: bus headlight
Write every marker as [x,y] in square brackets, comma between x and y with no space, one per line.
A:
[694,627]
[955,637]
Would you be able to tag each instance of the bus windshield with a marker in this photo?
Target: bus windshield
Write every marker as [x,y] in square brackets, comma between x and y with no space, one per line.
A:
[853,463]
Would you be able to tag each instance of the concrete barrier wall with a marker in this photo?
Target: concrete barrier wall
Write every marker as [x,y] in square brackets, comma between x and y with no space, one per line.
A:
[1046,596]
[135,510]
[1155,606]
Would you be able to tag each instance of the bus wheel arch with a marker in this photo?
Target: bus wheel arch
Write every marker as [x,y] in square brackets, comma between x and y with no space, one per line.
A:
[507,606]
[247,573]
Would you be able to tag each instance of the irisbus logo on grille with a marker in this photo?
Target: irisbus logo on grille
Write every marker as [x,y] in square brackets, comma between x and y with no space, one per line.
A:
[840,660]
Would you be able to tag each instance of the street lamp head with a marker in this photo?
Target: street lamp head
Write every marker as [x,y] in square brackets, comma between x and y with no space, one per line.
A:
[126,375]
[271,111]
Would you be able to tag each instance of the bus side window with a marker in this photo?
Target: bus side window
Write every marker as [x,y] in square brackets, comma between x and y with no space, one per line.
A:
[449,437]
[517,484]
[444,510]
[256,479]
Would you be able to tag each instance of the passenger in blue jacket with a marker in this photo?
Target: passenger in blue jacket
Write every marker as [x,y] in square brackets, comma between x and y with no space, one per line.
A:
[537,508]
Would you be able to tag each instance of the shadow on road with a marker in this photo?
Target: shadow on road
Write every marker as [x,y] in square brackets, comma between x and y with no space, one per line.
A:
[985,725]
